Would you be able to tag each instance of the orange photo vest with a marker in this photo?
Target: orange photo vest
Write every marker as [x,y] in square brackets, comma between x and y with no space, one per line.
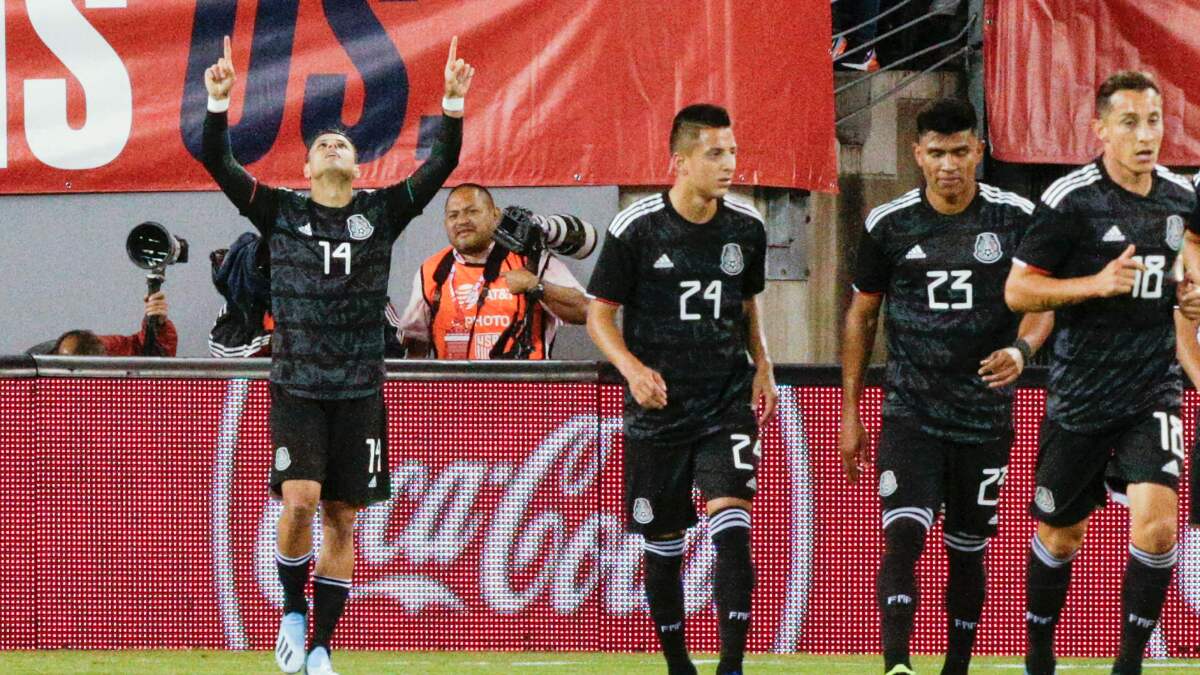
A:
[458,313]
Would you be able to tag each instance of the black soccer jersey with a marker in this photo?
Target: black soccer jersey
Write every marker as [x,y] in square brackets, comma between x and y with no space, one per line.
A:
[682,286]
[1113,358]
[329,266]
[944,276]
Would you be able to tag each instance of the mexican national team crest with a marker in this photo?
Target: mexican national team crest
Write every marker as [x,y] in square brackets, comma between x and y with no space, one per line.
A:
[1175,232]
[731,260]
[643,513]
[987,248]
[359,226]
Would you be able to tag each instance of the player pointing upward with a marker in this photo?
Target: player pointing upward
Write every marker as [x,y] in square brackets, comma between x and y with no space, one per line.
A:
[330,259]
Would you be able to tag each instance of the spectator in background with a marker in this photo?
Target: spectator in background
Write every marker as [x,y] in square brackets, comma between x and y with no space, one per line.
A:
[471,299]
[242,275]
[156,338]
[848,14]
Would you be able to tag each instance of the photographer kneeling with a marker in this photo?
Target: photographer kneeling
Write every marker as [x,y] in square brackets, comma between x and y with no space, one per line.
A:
[496,294]
[156,338]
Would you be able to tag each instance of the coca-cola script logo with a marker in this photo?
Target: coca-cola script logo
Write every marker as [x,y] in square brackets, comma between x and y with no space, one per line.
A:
[517,545]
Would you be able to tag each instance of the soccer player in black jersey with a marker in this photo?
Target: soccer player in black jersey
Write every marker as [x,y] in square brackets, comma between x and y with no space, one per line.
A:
[939,254]
[1100,253]
[330,257]
[686,266]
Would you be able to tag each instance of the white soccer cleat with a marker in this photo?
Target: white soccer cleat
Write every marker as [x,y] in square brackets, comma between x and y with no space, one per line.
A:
[289,646]
[318,663]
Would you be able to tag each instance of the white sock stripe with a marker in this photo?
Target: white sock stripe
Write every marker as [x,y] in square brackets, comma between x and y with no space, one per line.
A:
[1155,560]
[923,522]
[729,514]
[344,583]
[671,548]
[963,538]
[292,562]
[923,516]
[1046,557]
[965,548]
[715,530]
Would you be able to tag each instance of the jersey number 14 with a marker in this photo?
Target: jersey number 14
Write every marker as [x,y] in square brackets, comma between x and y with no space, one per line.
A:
[341,251]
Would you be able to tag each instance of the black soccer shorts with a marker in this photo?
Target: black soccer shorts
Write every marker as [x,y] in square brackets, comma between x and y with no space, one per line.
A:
[341,444]
[1075,471]
[919,474]
[659,477]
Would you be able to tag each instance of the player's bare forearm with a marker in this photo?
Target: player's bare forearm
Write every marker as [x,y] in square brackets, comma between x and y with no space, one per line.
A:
[568,304]
[1187,347]
[1191,255]
[756,338]
[857,342]
[602,328]
[1031,292]
[1035,328]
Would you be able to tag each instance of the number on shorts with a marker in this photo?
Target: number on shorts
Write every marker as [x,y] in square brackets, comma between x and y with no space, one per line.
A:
[1171,428]
[991,476]
[740,441]
[374,455]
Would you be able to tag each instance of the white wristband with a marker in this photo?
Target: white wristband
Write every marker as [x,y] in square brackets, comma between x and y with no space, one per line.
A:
[218,105]
[453,104]
[1016,356]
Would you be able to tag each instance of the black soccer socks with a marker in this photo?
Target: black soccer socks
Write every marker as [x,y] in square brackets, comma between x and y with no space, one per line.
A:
[664,594]
[965,594]
[329,601]
[1147,576]
[896,587]
[293,576]
[1047,579]
[733,583]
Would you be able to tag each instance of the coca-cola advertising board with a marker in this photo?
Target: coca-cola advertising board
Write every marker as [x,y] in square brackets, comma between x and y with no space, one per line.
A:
[136,516]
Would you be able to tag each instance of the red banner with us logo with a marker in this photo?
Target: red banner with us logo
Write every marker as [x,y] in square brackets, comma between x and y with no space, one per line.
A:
[108,95]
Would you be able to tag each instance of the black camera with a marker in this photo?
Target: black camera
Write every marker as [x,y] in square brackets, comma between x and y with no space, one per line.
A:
[529,234]
[151,247]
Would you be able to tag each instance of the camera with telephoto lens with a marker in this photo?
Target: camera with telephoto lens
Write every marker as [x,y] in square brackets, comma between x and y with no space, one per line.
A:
[529,234]
[151,247]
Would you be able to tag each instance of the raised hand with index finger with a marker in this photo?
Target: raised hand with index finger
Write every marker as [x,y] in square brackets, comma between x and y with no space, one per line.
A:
[219,77]
[458,74]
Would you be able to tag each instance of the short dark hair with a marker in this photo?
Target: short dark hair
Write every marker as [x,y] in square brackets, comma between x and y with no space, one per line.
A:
[339,130]
[689,121]
[86,343]
[471,186]
[947,116]
[1122,80]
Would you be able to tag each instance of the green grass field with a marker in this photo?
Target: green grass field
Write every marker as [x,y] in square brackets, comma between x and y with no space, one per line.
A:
[542,663]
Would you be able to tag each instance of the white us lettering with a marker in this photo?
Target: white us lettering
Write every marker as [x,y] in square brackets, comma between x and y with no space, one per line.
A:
[107,91]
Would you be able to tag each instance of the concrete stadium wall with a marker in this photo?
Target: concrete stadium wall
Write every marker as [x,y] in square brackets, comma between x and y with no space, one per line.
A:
[64,263]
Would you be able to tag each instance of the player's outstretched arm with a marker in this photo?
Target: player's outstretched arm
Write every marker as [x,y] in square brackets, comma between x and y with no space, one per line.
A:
[764,370]
[858,339]
[411,196]
[253,200]
[1029,290]
[1003,366]
[645,383]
